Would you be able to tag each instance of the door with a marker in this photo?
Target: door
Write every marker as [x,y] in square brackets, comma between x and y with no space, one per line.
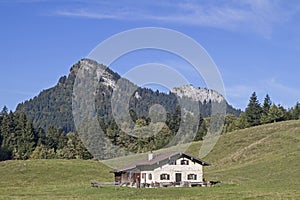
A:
[178,177]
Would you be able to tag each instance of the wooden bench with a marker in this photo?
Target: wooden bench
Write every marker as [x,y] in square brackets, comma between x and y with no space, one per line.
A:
[100,184]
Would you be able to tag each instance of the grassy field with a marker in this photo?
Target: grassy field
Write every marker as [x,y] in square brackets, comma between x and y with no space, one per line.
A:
[262,161]
[256,163]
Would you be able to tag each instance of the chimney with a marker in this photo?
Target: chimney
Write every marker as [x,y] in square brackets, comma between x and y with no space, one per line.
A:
[150,156]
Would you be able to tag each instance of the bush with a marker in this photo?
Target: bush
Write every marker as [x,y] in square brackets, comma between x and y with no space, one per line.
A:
[5,154]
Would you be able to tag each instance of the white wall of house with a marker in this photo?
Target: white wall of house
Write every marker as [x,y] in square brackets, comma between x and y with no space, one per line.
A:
[171,169]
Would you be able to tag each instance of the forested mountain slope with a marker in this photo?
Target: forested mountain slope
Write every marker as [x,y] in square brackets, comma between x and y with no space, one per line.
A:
[54,105]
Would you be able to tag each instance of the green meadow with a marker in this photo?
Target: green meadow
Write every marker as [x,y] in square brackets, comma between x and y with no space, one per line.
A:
[261,162]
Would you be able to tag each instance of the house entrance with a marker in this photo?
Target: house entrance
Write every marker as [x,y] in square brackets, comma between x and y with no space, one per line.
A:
[178,177]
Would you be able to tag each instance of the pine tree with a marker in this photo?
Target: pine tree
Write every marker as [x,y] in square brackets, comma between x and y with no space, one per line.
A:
[112,132]
[162,138]
[82,151]
[40,137]
[253,111]
[140,131]
[242,121]
[5,154]
[62,139]
[265,110]
[267,104]
[24,138]
[176,119]
[27,141]
[4,111]
[52,138]
[295,112]
[7,127]
[8,131]
[230,123]
[276,113]
[202,130]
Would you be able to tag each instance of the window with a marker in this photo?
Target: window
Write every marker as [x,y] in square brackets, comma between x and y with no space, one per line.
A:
[150,176]
[143,175]
[165,177]
[172,162]
[192,177]
[184,162]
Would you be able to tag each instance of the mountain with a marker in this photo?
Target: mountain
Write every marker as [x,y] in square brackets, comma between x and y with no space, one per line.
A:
[54,105]
[198,94]
[204,96]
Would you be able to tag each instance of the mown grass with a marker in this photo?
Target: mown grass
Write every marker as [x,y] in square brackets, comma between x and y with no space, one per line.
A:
[262,160]
[257,163]
[50,178]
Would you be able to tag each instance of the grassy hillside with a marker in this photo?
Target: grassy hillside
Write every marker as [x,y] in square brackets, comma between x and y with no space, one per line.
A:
[57,179]
[263,159]
[257,163]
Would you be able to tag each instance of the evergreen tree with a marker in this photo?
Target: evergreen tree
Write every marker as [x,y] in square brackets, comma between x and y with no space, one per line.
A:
[242,121]
[4,111]
[8,127]
[265,118]
[202,130]
[70,151]
[62,139]
[1,137]
[253,111]
[25,141]
[29,139]
[5,154]
[112,132]
[133,115]
[230,123]
[176,119]
[295,112]
[140,131]
[24,137]
[162,138]
[39,152]
[82,151]
[267,104]
[52,138]
[265,110]
[40,137]
[276,113]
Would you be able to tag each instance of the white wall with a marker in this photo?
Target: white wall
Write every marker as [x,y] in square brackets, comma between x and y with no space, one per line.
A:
[192,168]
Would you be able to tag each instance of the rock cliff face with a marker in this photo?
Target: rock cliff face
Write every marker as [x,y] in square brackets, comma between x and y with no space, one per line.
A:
[198,94]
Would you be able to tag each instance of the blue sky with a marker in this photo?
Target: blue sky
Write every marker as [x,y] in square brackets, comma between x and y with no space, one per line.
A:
[254,43]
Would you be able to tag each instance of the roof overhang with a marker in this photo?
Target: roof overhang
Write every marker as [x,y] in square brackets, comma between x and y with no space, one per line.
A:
[154,163]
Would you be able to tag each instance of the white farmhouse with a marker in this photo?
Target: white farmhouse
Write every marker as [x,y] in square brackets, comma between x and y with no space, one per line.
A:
[167,169]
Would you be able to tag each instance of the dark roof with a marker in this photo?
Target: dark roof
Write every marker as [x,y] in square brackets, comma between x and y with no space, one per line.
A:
[159,158]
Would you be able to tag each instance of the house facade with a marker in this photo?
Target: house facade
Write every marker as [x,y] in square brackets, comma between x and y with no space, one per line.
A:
[158,170]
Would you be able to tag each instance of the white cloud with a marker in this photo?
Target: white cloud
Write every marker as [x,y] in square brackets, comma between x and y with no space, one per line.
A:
[238,95]
[288,95]
[87,14]
[249,15]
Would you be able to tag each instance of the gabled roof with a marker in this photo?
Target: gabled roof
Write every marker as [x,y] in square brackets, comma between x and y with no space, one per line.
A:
[159,159]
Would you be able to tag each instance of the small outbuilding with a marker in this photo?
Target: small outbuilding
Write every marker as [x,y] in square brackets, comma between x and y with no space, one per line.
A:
[162,170]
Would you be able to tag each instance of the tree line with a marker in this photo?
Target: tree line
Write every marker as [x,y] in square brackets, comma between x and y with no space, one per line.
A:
[20,140]
[141,141]
[257,114]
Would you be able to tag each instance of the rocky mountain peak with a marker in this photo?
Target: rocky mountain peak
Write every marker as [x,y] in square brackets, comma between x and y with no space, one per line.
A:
[198,94]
